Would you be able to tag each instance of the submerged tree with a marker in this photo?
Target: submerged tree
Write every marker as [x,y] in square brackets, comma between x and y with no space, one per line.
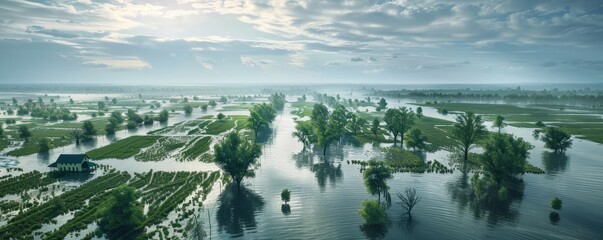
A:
[373,212]
[221,116]
[356,123]
[260,116]
[43,145]
[24,133]
[504,158]
[375,126]
[468,129]
[237,156]
[557,140]
[416,140]
[419,112]
[88,128]
[381,105]
[499,123]
[124,213]
[324,133]
[286,195]
[188,109]
[303,133]
[375,178]
[278,101]
[408,199]
[163,116]
[77,134]
[399,122]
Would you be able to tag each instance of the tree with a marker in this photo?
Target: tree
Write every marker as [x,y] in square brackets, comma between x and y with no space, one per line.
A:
[212,103]
[286,195]
[468,129]
[117,116]
[416,140]
[43,145]
[556,203]
[24,133]
[373,212]
[71,101]
[15,102]
[278,101]
[356,123]
[101,105]
[77,134]
[375,126]
[303,98]
[375,178]
[256,122]
[398,122]
[303,133]
[163,116]
[322,131]
[499,123]
[419,112]
[557,140]
[504,158]
[381,105]
[409,199]
[188,109]
[112,126]
[221,116]
[148,120]
[88,128]
[223,99]
[124,212]
[204,107]
[1,130]
[114,101]
[236,156]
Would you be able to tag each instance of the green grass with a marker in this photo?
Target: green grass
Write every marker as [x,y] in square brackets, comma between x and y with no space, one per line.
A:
[124,148]
[195,148]
[218,127]
[436,131]
[581,124]
[239,107]
[56,137]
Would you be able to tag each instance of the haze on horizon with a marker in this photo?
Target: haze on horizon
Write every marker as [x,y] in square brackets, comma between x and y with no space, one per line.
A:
[297,42]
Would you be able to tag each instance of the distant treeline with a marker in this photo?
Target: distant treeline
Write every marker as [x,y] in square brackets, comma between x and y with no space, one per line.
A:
[584,97]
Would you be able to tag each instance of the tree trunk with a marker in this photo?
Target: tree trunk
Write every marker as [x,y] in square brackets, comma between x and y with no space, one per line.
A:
[395,139]
[465,155]
[324,151]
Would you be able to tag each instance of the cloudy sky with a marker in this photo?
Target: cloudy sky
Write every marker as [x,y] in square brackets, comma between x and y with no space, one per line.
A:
[304,41]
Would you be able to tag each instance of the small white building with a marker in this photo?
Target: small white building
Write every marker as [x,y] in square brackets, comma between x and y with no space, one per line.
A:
[73,163]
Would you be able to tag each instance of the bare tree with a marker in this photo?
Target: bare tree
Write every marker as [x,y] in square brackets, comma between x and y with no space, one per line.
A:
[195,228]
[409,199]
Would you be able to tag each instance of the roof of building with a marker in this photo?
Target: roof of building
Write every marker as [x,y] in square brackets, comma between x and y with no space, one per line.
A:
[71,158]
[88,164]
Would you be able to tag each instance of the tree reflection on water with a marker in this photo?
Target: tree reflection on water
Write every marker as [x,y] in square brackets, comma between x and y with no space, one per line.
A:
[554,162]
[237,209]
[494,211]
[324,170]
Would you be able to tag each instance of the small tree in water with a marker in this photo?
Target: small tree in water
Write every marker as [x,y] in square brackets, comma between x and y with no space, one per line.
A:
[286,196]
[468,129]
[124,213]
[373,212]
[409,199]
[375,179]
[238,157]
[557,140]
[499,123]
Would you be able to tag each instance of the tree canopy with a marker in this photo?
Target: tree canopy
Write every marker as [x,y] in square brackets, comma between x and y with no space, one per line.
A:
[124,213]
[468,129]
[557,140]
[237,156]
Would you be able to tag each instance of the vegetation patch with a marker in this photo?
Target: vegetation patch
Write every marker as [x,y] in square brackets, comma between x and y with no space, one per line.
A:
[124,148]
[195,148]
[160,150]
[217,127]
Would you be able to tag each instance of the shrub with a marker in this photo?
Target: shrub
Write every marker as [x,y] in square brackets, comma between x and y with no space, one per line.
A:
[373,212]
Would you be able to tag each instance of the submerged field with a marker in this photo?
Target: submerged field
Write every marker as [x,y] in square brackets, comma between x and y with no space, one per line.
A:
[325,190]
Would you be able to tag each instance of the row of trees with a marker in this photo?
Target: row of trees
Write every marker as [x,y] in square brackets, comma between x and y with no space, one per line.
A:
[260,116]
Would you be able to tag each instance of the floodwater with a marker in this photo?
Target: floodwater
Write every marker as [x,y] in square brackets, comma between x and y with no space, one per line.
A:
[326,197]
[326,193]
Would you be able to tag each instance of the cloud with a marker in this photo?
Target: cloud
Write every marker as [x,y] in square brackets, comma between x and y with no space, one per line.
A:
[371,71]
[118,63]
[50,32]
[252,62]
